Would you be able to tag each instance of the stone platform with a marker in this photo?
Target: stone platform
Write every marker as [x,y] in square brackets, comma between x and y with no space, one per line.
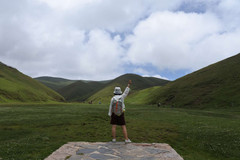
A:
[114,151]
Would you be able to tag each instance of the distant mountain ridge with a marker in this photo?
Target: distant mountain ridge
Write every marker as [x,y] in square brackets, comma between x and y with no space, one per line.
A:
[104,95]
[97,91]
[216,85]
[55,83]
[17,87]
[80,90]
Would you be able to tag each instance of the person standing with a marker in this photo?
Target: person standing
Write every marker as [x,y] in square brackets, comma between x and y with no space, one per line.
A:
[116,112]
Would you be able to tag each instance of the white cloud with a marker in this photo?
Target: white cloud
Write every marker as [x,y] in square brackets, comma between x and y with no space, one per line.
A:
[49,46]
[228,11]
[216,47]
[99,57]
[101,39]
[111,15]
[180,40]
[63,5]
[77,55]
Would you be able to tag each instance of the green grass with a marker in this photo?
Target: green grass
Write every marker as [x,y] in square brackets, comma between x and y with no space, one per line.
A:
[17,87]
[34,131]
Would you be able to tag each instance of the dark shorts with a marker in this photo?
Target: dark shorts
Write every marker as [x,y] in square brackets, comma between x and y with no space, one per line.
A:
[117,120]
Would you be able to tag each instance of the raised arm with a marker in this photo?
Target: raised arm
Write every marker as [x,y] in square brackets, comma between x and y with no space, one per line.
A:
[129,83]
[125,93]
[110,108]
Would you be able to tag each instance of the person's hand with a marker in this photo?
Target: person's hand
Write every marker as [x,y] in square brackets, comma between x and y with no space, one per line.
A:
[129,82]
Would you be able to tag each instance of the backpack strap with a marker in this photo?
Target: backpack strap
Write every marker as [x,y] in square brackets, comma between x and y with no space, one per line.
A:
[116,106]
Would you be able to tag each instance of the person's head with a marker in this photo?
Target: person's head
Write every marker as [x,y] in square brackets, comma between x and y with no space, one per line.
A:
[117,91]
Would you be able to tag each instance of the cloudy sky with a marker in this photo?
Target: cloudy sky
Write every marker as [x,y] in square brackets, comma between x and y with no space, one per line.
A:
[102,39]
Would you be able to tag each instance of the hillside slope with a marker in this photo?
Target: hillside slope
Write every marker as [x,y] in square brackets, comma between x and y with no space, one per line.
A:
[54,82]
[80,90]
[17,87]
[217,85]
[142,97]
[104,95]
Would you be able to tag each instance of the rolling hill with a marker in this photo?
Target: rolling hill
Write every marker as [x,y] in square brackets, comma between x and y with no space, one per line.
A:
[54,82]
[80,90]
[143,96]
[104,95]
[17,87]
[216,85]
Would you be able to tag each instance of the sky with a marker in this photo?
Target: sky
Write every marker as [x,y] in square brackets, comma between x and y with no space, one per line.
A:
[103,39]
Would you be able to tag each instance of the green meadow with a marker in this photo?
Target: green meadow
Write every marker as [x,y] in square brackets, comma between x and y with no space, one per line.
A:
[34,131]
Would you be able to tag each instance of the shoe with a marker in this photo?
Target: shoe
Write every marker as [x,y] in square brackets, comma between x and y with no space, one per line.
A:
[113,140]
[128,141]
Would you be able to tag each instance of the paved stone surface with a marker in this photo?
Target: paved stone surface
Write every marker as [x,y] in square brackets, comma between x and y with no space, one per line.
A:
[114,151]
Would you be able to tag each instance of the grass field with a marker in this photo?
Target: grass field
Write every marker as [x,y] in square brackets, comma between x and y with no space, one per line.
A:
[35,131]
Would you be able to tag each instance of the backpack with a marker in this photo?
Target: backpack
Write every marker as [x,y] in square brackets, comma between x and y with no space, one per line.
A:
[117,106]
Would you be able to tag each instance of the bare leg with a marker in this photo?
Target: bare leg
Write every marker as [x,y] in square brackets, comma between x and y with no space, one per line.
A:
[114,131]
[124,129]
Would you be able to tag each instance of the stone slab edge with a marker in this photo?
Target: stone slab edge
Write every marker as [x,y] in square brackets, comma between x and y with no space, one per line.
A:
[69,149]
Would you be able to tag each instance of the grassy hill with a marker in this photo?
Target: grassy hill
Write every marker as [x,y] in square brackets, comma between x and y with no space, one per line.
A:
[80,90]
[216,85]
[143,96]
[17,87]
[104,95]
[54,82]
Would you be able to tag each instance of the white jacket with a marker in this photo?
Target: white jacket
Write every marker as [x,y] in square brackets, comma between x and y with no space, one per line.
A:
[123,96]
